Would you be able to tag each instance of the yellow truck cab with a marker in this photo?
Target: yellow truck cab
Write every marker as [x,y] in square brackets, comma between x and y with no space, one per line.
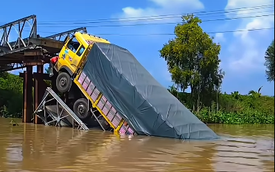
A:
[73,54]
[67,69]
[71,57]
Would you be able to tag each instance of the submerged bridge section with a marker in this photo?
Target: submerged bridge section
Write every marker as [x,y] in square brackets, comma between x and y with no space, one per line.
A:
[25,49]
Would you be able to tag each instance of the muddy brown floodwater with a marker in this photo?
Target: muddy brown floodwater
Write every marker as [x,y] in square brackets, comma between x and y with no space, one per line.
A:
[39,148]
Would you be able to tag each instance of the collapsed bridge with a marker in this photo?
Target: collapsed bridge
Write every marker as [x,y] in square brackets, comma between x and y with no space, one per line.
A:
[27,52]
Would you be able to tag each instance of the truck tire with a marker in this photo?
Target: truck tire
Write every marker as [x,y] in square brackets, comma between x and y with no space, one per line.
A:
[63,82]
[81,109]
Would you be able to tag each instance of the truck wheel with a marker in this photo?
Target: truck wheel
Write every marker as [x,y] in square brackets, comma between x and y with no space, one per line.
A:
[81,108]
[63,82]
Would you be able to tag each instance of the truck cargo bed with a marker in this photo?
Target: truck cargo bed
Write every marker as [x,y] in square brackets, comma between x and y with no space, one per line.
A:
[137,97]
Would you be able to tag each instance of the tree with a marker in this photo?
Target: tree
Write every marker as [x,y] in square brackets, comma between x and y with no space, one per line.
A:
[173,90]
[193,61]
[269,62]
[11,90]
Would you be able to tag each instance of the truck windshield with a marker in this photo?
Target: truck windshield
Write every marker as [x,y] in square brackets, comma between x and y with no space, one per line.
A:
[73,44]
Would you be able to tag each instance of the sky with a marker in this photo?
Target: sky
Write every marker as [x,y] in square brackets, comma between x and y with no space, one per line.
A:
[151,24]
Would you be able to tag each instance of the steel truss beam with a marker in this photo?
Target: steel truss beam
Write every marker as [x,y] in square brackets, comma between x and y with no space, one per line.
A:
[19,26]
[66,34]
[53,111]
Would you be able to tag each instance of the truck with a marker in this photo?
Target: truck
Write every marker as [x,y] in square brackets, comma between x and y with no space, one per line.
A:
[82,93]
[105,79]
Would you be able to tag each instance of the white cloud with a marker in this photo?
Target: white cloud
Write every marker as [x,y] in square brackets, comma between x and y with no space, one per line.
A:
[163,7]
[256,23]
[249,58]
[246,7]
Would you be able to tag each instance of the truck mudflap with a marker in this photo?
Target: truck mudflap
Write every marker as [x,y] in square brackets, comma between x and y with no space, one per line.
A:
[105,108]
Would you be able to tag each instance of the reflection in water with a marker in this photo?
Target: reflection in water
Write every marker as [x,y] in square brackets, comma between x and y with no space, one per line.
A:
[39,148]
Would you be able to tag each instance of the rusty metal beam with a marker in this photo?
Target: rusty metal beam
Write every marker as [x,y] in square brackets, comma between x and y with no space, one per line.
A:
[39,88]
[27,96]
[19,26]
[32,53]
[33,63]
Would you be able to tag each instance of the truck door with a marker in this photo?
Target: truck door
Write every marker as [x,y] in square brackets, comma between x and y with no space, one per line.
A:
[74,51]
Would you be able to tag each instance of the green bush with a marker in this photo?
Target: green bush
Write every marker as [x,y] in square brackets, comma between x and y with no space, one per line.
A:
[11,95]
[245,117]
[235,108]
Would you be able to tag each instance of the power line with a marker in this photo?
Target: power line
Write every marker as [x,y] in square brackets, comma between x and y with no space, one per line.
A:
[202,21]
[173,15]
[170,34]
[200,12]
[163,16]
[162,23]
